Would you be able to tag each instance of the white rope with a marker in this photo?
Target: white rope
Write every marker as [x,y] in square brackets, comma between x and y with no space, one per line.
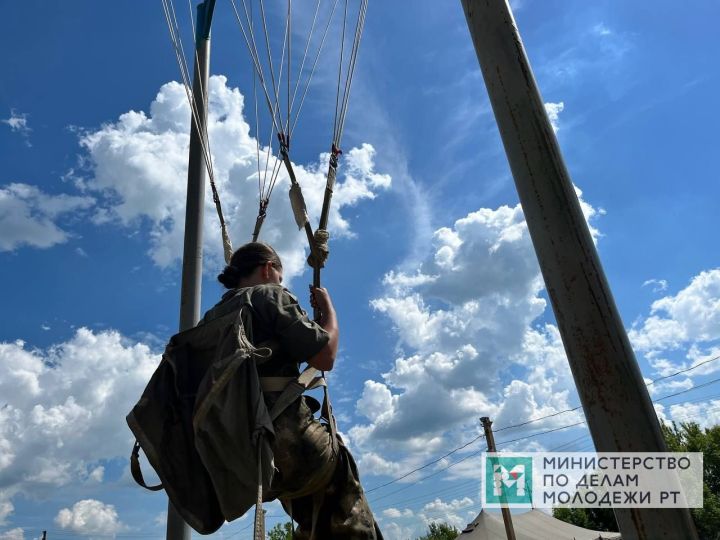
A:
[252,48]
[173,27]
[312,71]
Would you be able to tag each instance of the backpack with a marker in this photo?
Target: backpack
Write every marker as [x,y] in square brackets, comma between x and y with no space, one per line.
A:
[203,423]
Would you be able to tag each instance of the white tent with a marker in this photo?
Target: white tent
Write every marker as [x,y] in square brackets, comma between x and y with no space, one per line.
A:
[532,525]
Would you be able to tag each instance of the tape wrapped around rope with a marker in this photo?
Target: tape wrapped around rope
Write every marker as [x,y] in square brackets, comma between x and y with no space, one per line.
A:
[227,245]
[298,205]
[322,251]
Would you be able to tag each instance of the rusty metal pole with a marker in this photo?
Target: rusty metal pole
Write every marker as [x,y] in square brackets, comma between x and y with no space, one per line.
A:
[615,400]
[490,438]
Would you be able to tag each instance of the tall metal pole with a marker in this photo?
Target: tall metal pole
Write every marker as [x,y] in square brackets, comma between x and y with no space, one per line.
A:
[615,400]
[490,438]
[177,529]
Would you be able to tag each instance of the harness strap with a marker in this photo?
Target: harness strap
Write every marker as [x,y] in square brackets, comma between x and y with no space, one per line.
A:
[327,412]
[259,526]
[278,384]
[294,389]
[135,469]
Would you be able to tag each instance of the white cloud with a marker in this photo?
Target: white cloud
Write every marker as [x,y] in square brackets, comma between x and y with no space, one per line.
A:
[13,534]
[90,517]
[140,163]
[29,216]
[658,285]
[446,512]
[688,321]
[394,531]
[602,30]
[706,414]
[469,343]
[6,507]
[62,409]
[17,121]
[18,124]
[161,519]
[395,513]
[97,474]
[553,111]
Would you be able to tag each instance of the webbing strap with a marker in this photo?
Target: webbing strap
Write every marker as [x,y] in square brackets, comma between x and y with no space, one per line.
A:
[329,416]
[259,527]
[292,391]
[135,469]
[278,384]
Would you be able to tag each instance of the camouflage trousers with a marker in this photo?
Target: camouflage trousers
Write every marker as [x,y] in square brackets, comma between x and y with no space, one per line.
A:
[317,481]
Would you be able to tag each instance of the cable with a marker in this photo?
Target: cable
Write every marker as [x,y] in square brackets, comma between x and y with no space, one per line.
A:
[541,433]
[580,406]
[482,436]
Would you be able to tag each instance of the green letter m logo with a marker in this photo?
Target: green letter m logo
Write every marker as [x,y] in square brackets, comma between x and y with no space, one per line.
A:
[508,480]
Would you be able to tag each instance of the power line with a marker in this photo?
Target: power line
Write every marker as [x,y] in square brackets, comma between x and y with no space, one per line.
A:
[473,455]
[394,480]
[482,436]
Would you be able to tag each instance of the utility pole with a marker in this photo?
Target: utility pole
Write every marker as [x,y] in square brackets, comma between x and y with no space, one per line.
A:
[177,529]
[614,397]
[507,518]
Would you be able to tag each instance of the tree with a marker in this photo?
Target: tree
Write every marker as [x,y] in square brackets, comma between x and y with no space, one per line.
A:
[597,519]
[685,437]
[281,531]
[689,437]
[440,531]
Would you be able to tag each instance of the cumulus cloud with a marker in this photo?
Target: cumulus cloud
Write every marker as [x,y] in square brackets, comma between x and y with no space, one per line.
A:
[687,322]
[469,343]
[62,409]
[706,414]
[90,517]
[6,507]
[13,534]
[29,216]
[553,111]
[395,513]
[446,512]
[139,163]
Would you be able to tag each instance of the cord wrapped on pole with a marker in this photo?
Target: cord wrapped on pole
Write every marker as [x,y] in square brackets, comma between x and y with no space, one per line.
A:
[319,256]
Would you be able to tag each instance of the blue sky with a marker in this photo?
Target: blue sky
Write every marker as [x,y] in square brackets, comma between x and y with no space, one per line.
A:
[443,315]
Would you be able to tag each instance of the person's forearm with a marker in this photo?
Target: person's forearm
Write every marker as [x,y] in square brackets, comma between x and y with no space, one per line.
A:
[329,323]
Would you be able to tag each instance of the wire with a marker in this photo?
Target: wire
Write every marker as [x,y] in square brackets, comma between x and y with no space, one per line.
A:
[394,480]
[482,436]
[580,406]
[473,455]
[684,370]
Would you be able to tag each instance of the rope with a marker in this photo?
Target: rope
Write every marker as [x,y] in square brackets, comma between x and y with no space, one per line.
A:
[337,93]
[312,71]
[201,126]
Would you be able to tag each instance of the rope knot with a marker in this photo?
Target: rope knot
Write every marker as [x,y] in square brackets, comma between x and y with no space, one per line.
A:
[321,251]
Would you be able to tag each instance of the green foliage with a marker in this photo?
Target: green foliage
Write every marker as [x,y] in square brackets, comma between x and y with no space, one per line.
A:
[440,531]
[280,532]
[685,437]
[688,437]
[597,519]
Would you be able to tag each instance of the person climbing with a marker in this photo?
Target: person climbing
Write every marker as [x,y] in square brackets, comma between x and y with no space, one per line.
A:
[316,478]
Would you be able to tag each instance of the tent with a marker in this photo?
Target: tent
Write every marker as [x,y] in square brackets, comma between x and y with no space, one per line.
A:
[532,525]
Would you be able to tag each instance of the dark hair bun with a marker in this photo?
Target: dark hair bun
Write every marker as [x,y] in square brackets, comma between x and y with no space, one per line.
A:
[229,277]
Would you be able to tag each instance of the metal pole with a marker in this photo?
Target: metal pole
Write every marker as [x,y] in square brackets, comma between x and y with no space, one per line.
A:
[177,529]
[615,400]
[490,438]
